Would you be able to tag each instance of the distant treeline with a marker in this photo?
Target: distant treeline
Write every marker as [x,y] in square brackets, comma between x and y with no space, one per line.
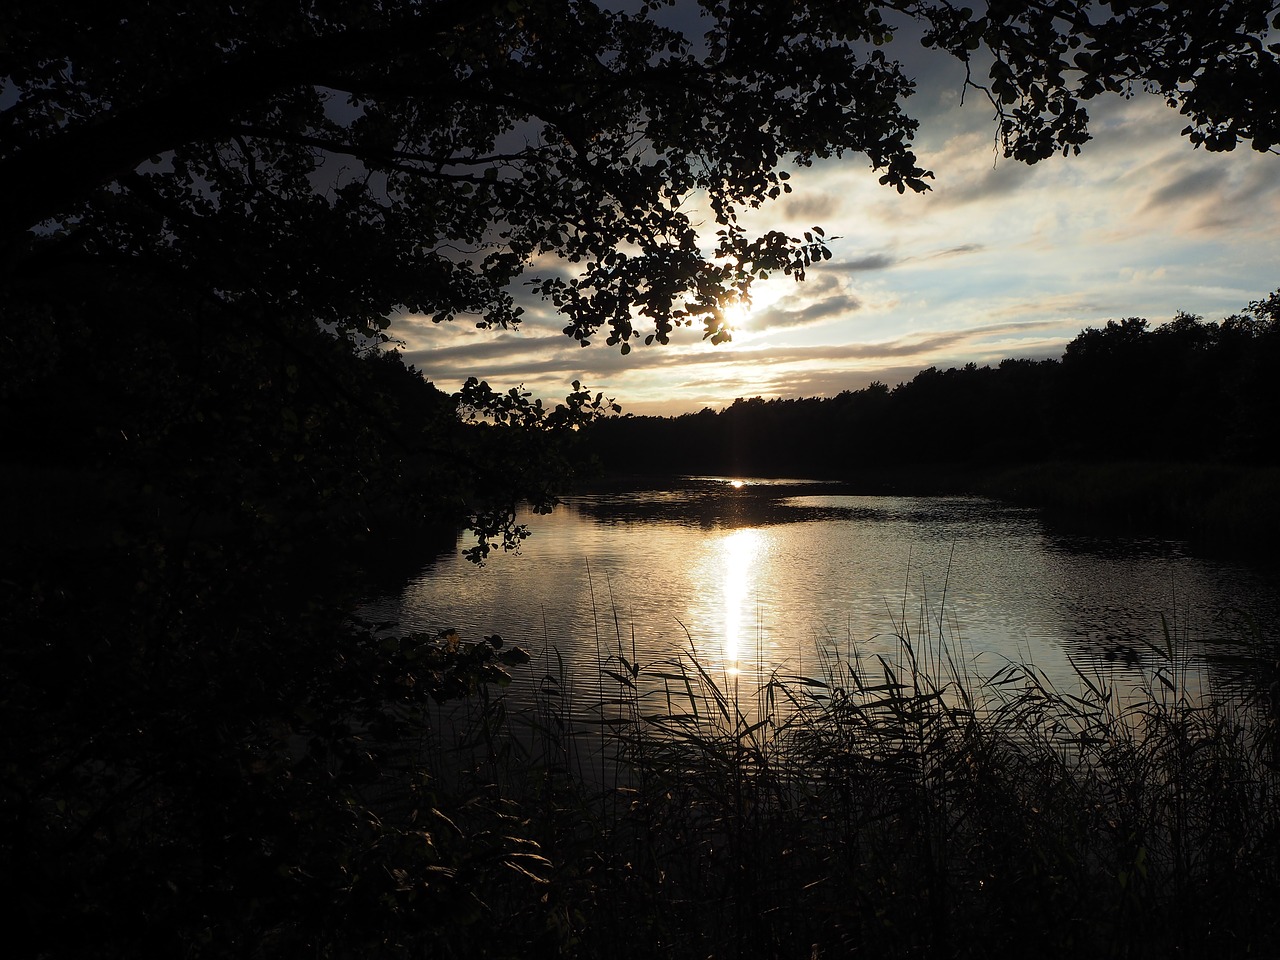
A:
[1187,390]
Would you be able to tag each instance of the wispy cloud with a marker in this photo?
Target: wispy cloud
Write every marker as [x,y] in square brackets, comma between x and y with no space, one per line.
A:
[809,208]
[959,250]
[812,312]
[1188,187]
[870,262]
[1000,259]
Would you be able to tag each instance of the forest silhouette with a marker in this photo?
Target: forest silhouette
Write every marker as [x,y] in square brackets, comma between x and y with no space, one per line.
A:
[1165,417]
[1187,390]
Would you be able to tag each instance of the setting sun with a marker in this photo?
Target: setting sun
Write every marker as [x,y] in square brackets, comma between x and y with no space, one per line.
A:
[737,316]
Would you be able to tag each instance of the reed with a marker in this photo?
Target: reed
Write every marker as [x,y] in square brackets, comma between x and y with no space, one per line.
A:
[894,806]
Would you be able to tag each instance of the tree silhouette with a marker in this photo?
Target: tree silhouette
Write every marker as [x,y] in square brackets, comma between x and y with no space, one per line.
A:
[352,162]
[1212,61]
[1185,391]
[344,161]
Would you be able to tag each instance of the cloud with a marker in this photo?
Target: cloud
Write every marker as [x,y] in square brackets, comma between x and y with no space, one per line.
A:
[959,250]
[962,183]
[872,261]
[956,251]
[1191,197]
[828,383]
[915,344]
[816,371]
[1000,260]
[504,346]
[812,206]
[1241,200]
[816,311]
[1189,187]
[556,362]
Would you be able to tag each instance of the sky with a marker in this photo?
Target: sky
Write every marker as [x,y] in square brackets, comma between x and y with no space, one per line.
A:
[999,259]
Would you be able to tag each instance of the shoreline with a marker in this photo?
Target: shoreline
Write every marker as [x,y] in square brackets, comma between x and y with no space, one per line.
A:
[1224,510]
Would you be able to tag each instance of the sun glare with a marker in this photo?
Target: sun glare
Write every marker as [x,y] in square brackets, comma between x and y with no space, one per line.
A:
[739,553]
[737,317]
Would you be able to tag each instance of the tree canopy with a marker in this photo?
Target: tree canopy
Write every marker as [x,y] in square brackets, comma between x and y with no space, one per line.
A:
[1211,61]
[347,160]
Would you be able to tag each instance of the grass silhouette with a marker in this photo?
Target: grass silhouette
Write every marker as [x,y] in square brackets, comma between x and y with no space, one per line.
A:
[895,806]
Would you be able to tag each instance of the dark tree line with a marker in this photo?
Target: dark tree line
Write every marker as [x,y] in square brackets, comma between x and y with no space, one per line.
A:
[1187,390]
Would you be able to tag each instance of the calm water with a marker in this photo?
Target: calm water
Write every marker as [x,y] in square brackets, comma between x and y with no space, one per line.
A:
[764,575]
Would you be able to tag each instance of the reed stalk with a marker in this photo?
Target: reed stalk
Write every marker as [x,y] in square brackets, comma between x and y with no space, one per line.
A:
[900,806]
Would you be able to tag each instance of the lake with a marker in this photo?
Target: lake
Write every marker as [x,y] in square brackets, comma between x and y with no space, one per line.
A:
[779,575]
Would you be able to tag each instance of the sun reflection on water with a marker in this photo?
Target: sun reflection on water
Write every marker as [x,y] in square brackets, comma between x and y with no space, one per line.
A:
[739,553]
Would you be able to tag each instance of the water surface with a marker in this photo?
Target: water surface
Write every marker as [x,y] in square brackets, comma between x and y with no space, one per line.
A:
[754,577]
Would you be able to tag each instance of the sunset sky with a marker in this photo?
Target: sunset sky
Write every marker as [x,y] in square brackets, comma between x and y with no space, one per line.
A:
[998,260]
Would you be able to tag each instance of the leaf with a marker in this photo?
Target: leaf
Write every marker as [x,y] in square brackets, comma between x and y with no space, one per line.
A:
[626,681]
[520,869]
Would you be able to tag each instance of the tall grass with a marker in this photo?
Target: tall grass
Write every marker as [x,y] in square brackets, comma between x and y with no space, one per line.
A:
[891,806]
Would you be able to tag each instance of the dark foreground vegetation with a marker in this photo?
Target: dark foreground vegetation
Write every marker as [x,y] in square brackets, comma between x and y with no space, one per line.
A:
[201,752]
[209,216]
[1173,428]
[889,807]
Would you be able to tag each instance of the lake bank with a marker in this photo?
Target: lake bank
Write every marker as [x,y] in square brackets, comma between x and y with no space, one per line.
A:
[1222,509]
[1227,510]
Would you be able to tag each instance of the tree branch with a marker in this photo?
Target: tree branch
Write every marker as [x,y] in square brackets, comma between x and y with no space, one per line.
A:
[48,175]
